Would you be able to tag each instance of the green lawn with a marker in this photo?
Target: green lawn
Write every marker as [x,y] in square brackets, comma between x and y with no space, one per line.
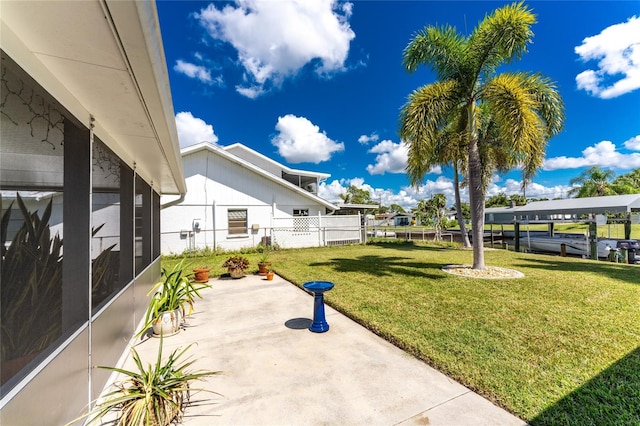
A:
[560,346]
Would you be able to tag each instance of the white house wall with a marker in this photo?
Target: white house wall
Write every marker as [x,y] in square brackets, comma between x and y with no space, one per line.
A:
[215,185]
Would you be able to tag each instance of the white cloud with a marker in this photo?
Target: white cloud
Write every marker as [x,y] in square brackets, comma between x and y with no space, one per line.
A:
[331,191]
[250,92]
[391,158]
[299,141]
[617,50]
[193,71]
[442,185]
[633,144]
[276,39]
[408,197]
[533,190]
[602,154]
[192,130]
[365,139]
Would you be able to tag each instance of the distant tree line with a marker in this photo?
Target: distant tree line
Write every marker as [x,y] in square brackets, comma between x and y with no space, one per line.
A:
[594,182]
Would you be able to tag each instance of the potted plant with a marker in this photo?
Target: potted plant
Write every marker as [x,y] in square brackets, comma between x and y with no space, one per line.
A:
[168,298]
[155,395]
[270,275]
[201,274]
[236,265]
[263,264]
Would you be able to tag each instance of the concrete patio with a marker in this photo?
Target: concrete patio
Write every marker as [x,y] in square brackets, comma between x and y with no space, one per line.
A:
[276,372]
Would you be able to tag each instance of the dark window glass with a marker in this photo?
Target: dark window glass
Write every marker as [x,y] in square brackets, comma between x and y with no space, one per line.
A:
[142,224]
[105,235]
[43,149]
[156,225]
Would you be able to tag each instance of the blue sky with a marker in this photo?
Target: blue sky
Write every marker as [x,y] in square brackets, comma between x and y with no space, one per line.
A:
[318,85]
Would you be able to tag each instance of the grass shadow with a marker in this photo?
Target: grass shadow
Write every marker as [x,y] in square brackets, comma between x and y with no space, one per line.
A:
[407,245]
[382,266]
[616,271]
[611,397]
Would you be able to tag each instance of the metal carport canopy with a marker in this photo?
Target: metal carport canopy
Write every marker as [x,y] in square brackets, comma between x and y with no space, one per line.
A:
[592,205]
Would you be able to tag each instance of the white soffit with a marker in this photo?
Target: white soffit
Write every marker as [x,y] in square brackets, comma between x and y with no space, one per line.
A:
[108,56]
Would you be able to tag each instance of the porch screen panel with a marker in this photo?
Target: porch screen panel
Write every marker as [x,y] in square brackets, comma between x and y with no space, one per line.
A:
[44,169]
[155,207]
[142,224]
[106,247]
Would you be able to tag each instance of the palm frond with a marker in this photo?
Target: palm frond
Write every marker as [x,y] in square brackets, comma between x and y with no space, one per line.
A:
[422,119]
[440,47]
[515,109]
[500,37]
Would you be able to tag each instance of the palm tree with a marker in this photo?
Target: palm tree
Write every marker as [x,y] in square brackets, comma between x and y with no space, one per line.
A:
[436,208]
[525,109]
[593,182]
[628,183]
[449,151]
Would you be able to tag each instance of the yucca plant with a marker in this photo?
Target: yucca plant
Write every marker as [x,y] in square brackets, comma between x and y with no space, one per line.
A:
[103,273]
[153,395]
[173,292]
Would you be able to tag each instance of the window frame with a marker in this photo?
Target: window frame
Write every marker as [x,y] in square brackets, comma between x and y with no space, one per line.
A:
[233,229]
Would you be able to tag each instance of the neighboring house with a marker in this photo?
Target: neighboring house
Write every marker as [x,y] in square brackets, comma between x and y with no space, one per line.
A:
[392,219]
[239,198]
[86,126]
[402,219]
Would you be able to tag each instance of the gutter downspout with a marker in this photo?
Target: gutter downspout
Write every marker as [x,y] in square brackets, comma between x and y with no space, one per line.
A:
[173,202]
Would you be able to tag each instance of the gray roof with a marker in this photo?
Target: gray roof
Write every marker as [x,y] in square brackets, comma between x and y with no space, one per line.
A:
[609,204]
[571,206]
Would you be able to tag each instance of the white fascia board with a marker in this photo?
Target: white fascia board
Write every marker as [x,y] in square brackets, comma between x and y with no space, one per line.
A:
[137,23]
[320,176]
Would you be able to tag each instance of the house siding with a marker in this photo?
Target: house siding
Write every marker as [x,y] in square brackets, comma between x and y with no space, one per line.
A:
[215,185]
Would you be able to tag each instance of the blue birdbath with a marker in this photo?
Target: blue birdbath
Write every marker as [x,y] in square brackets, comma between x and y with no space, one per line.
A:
[318,288]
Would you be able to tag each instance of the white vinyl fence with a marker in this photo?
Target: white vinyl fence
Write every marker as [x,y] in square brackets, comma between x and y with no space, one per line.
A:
[316,231]
[287,232]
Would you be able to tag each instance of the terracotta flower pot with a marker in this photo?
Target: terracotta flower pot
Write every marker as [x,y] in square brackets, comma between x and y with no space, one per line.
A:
[263,268]
[270,275]
[201,275]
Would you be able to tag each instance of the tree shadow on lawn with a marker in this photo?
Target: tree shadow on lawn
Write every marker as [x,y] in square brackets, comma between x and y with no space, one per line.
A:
[405,245]
[611,397]
[384,266]
[629,273]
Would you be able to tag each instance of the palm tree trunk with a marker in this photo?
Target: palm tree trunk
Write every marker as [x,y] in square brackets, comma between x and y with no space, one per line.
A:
[476,191]
[463,229]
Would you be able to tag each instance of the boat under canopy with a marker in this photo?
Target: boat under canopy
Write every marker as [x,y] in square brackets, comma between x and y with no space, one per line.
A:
[575,244]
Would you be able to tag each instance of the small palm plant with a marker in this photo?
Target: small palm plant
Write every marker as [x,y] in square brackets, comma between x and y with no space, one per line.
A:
[264,264]
[155,395]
